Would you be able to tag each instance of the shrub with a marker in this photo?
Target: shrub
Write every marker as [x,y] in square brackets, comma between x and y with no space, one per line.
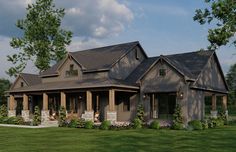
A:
[196,124]
[19,120]
[215,122]
[62,117]
[37,116]
[81,123]
[177,126]
[73,123]
[223,116]
[178,121]
[137,123]
[105,125]
[88,124]
[3,110]
[155,125]
[140,113]
[11,120]
[204,124]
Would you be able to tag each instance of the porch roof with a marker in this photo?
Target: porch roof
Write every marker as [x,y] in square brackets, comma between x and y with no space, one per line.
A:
[68,85]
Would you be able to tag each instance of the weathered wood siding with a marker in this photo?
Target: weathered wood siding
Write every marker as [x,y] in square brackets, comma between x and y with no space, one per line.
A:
[127,64]
[17,83]
[211,78]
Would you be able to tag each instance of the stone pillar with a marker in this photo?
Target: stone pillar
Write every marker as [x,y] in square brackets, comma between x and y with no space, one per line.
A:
[25,111]
[89,113]
[63,99]
[213,106]
[45,111]
[112,114]
[224,105]
[11,110]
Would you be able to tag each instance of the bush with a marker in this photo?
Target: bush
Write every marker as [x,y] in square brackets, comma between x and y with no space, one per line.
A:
[11,120]
[177,126]
[137,123]
[140,113]
[223,116]
[88,124]
[19,120]
[178,121]
[73,123]
[62,117]
[195,124]
[81,123]
[155,125]
[37,116]
[215,122]
[105,125]
[204,124]
[3,111]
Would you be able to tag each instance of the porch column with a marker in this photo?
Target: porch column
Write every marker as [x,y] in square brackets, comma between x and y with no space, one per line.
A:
[11,111]
[224,105]
[45,111]
[25,111]
[154,109]
[112,114]
[89,113]
[213,106]
[63,99]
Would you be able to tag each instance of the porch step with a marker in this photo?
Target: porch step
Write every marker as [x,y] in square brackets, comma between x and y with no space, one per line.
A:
[50,123]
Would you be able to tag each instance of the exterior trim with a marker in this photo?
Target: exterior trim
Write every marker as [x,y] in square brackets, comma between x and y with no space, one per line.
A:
[210,90]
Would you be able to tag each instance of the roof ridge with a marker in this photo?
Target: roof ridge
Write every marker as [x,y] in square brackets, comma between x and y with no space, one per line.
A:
[95,48]
[189,52]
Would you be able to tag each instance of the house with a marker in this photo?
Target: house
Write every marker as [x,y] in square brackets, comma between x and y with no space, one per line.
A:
[108,83]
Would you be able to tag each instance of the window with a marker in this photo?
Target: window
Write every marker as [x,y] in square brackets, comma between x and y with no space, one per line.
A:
[71,72]
[22,84]
[162,72]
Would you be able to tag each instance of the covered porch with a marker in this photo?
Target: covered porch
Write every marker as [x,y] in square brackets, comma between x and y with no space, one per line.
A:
[95,104]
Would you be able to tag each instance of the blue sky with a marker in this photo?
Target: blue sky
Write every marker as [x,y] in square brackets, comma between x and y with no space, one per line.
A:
[161,26]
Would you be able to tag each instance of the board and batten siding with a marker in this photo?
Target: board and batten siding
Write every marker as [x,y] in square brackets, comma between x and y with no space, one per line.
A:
[127,64]
[17,83]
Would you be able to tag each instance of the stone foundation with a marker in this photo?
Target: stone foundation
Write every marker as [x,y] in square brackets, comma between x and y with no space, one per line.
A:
[88,115]
[44,116]
[11,113]
[214,114]
[25,115]
[112,116]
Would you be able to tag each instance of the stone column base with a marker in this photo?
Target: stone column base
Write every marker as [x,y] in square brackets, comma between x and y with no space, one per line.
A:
[11,113]
[44,116]
[25,115]
[214,114]
[112,116]
[88,115]
[154,114]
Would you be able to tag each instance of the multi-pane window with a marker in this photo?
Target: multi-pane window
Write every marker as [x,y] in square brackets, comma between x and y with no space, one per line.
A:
[162,72]
[126,105]
[71,72]
[22,84]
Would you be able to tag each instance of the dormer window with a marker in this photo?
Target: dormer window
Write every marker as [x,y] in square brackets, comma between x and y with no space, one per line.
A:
[71,72]
[162,72]
[21,84]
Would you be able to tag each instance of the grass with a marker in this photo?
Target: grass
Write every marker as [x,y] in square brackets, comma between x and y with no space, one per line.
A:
[68,139]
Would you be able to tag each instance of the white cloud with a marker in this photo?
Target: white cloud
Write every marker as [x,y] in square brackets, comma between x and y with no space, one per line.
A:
[79,44]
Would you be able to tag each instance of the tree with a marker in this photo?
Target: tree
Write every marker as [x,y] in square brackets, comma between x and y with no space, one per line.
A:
[221,13]
[231,81]
[43,40]
[4,86]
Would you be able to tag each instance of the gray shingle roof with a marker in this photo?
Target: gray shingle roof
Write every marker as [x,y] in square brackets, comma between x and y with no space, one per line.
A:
[31,79]
[190,64]
[103,57]
[141,69]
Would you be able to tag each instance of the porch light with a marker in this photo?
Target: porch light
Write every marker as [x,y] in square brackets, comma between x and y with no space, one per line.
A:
[180,93]
[80,97]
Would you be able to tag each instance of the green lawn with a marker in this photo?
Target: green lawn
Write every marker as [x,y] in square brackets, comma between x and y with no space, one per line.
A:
[82,140]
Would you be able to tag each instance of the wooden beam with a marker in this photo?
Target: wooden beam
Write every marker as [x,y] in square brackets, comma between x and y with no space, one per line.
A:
[12,103]
[25,102]
[97,103]
[112,100]
[45,101]
[63,99]
[89,100]
[213,102]
[224,102]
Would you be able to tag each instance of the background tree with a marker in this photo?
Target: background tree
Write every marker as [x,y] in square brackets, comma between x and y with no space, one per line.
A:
[231,80]
[221,14]
[43,40]
[4,86]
